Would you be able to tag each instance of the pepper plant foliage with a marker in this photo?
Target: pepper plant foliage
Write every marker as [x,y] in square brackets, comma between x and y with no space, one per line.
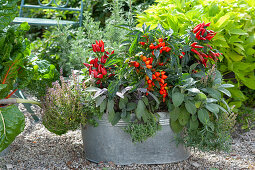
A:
[164,72]
[233,20]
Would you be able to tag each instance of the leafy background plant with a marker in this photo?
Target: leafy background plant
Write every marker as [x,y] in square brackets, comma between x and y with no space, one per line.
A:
[233,20]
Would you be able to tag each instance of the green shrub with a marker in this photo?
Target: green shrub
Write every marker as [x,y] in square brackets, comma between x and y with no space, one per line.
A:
[234,22]
[69,48]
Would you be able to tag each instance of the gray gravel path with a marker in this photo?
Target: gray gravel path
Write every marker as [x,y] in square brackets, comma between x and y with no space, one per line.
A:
[37,148]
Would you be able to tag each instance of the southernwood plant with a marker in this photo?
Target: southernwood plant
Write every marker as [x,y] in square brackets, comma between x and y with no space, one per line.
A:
[234,23]
[163,71]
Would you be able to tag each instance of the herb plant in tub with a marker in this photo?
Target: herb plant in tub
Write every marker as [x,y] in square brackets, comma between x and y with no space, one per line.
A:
[170,73]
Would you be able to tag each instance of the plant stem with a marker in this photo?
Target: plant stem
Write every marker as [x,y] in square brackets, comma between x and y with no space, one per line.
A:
[17,100]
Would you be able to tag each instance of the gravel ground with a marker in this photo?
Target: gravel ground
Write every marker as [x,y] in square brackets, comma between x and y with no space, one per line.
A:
[37,148]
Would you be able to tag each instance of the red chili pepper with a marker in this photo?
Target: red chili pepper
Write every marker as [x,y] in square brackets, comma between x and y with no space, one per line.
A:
[87,65]
[100,76]
[97,43]
[96,62]
[195,51]
[198,35]
[95,73]
[197,28]
[203,31]
[208,24]
[142,43]
[136,64]
[99,68]
[193,44]
[104,72]
[94,48]
[101,43]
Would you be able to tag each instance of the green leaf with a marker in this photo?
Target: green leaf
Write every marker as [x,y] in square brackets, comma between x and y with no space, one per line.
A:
[222,21]
[2,86]
[116,118]
[122,103]
[238,31]
[225,91]
[174,115]
[99,100]
[176,126]
[177,99]
[92,89]
[156,53]
[103,106]
[145,100]
[184,116]
[194,90]
[203,116]
[192,67]
[214,93]
[140,110]
[210,100]
[113,88]
[214,108]
[110,111]
[193,125]
[198,104]
[190,106]
[134,44]
[12,123]
[131,106]
[148,73]
[227,85]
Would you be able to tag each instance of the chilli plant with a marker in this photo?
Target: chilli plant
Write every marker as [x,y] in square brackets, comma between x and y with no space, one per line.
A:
[164,72]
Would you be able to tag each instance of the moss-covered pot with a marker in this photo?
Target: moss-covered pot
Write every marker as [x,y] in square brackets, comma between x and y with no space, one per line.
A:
[109,143]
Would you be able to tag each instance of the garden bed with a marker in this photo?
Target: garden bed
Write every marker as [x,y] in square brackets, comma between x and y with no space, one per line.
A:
[37,148]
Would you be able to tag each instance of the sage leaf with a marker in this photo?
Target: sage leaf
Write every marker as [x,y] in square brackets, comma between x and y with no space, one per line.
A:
[176,126]
[99,100]
[131,106]
[177,99]
[103,106]
[140,110]
[193,125]
[190,106]
[174,115]
[203,116]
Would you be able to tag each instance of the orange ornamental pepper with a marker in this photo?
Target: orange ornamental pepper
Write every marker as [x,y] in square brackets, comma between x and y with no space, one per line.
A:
[153,76]
[149,66]
[136,64]
[152,47]
[160,40]
[162,81]
[147,62]
[157,74]
[163,76]
[147,78]
[163,72]
[149,81]
[144,58]
[142,43]
[168,49]
[149,85]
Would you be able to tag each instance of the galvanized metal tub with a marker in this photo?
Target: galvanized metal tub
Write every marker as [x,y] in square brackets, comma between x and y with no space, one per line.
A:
[107,143]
